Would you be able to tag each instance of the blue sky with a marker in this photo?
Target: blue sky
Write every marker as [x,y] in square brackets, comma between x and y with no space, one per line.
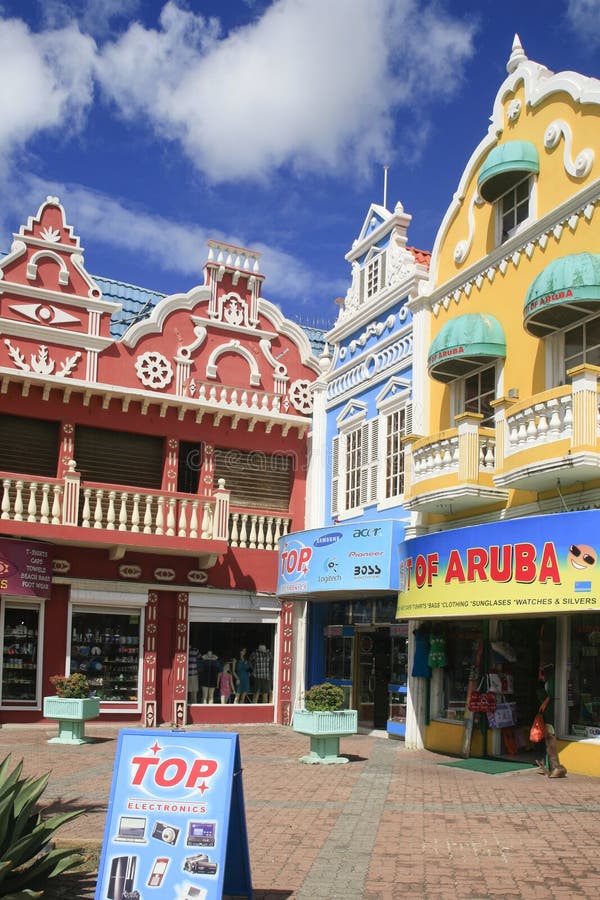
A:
[264,123]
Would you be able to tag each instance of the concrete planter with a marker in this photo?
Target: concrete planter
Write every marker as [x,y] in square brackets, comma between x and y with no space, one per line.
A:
[325,730]
[72,713]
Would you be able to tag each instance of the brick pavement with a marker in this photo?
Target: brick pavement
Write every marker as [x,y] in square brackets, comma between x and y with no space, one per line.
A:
[391,823]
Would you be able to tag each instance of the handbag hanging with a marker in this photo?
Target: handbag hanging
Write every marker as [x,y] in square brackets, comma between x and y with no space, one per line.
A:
[537,732]
[504,715]
[481,701]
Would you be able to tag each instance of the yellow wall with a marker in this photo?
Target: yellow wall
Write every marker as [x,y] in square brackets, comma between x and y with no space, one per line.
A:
[504,295]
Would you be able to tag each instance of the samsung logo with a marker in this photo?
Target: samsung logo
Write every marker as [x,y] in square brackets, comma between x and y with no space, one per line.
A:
[326,539]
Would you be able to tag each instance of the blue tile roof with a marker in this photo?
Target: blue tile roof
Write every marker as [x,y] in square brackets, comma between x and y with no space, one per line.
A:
[137,302]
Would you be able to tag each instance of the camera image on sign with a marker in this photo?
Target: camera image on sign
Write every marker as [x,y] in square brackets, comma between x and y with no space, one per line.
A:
[166,833]
[200,865]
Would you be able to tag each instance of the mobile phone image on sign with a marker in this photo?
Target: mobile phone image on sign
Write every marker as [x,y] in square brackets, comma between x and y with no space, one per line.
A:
[158,871]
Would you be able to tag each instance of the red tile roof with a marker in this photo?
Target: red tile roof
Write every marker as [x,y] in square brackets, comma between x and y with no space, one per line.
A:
[423,257]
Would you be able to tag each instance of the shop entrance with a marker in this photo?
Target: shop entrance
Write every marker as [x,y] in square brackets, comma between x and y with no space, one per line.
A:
[373,667]
[531,644]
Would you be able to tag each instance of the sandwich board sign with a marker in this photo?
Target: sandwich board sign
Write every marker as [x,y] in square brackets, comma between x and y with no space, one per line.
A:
[176,825]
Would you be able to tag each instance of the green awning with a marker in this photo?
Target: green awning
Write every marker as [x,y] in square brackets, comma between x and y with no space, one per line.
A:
[464,344]
[505,166]
[565,292]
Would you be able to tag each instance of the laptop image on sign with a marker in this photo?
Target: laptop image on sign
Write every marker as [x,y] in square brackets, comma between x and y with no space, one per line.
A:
[132,829]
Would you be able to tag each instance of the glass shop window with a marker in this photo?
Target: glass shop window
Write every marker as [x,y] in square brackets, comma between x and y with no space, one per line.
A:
[106,647]
[215,644]
[463,642]
[399,655]
[20,655]
[583,689]
[338,663]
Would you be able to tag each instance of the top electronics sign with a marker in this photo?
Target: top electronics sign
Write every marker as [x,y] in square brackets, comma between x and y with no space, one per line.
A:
[175,826]
[340,558]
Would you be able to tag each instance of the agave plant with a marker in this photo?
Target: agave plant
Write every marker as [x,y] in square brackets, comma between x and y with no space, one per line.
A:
[27,860]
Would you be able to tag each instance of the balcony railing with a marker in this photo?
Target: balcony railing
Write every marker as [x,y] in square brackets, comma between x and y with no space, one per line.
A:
[442,456]
[119,508]
[552,436]
[101,507]
[256,532]
[454,469]
[546,419]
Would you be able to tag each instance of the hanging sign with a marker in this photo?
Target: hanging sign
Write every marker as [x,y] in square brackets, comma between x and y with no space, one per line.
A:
[176,825]
[25,569]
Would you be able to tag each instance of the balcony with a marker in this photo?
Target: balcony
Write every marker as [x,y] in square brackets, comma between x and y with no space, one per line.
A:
[124,518]
[120,518]
[454,471]
[553,437]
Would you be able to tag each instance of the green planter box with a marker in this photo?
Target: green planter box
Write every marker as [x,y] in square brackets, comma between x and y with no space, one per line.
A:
[72,713]
[325,730]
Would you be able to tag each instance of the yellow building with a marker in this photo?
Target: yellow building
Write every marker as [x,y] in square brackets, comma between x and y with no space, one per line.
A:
[501,574]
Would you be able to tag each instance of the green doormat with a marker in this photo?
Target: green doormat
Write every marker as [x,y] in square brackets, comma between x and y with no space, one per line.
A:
[488,766]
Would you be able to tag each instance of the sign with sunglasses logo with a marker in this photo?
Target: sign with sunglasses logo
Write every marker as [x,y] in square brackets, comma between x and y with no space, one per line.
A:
[537,564]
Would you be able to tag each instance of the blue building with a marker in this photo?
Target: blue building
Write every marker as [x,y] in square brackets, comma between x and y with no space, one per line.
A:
[344,569]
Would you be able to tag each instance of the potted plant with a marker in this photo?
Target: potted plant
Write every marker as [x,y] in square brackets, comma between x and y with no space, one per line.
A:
[325,720]
[72,706]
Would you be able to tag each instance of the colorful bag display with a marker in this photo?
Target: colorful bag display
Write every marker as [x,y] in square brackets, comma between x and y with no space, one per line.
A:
[500,682]
[504,715]
[482,701]
[437,658]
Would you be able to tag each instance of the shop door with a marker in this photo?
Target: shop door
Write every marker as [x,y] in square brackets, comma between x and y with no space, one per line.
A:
[532,648]
[374,670]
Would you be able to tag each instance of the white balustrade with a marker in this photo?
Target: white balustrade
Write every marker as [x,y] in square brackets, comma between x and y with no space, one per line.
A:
[442,457]
[541,423]
[437,458]
[256,532]
[102,508]
[20,496]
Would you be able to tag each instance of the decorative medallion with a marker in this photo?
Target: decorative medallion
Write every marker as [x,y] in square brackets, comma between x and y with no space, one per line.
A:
[154,370]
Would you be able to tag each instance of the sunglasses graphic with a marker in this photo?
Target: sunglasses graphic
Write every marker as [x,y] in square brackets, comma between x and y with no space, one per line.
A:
[586,557]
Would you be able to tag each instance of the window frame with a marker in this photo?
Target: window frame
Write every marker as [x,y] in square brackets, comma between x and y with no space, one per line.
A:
[389,406]
[351,422]
[458,393]
[500,212]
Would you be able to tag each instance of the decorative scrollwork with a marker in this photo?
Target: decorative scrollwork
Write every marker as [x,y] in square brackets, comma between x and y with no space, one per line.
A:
[581,166]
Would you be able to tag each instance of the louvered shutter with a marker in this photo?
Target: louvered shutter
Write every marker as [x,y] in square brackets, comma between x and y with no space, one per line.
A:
[364,464]
[29,446]
[119,457]
[408,419]
[335,476]
[373,462]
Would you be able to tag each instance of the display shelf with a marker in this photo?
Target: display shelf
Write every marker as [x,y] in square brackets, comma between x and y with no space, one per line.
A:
[19,655]
[111,663]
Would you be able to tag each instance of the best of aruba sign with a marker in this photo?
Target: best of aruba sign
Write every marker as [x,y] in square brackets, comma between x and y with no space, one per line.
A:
[176,827]
[538,564]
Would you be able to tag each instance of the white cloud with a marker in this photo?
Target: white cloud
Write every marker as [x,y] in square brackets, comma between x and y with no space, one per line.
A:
[46,81]
[584,19]
[310,84]
[170,246]
[93,17]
